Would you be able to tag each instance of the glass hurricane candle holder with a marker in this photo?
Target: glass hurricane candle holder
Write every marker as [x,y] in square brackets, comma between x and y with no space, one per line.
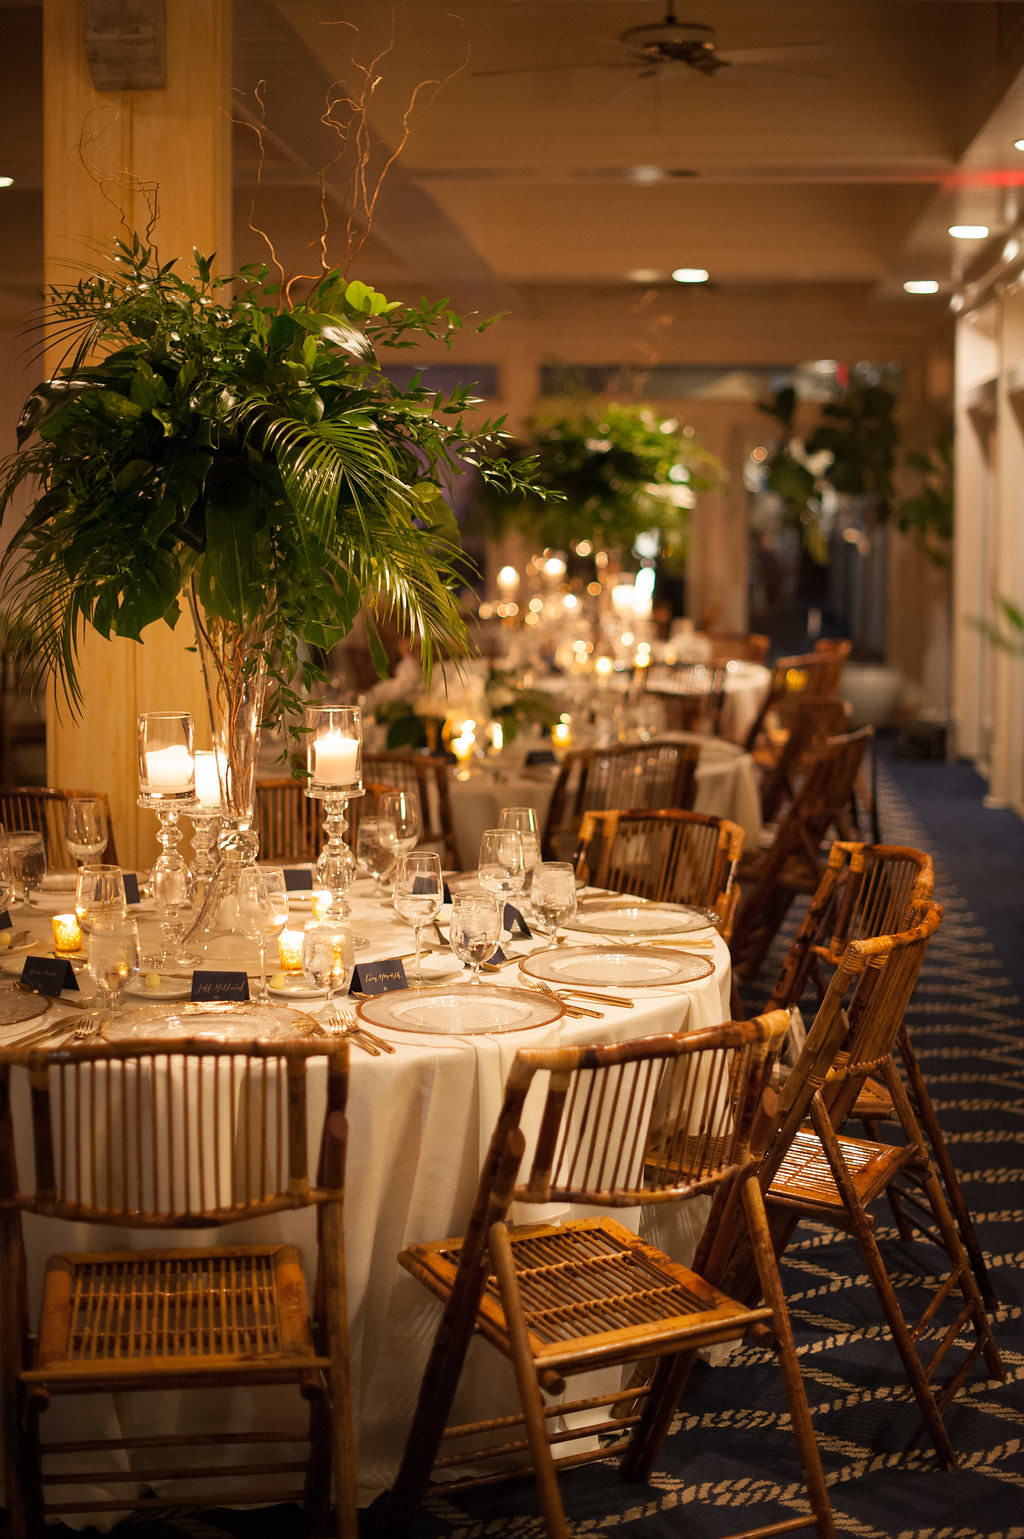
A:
[334,762]
[167,786]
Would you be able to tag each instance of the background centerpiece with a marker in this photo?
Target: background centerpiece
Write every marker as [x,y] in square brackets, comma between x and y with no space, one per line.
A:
[217,443]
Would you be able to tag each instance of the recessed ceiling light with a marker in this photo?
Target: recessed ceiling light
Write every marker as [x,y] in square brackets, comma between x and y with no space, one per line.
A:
[646,174]
[6,181]
[690,274]
[1018,144]
[921,286]
[643,275]
[968,231]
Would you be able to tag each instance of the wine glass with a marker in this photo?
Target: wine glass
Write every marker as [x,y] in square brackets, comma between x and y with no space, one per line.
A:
[262,913]
[85,827]
[28,864]
[417,896]
[99,896]
[403,810]
[5,875]
[525,820]
[475,929]
[376,848]
[554,894]
[328,957]
[113,958]
[501,869]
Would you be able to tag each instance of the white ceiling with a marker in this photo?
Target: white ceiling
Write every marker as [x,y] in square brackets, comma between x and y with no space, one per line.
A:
[569,173]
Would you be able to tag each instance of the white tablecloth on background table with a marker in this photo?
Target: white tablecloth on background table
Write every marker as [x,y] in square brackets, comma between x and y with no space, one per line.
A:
[746,685]
[419,1121]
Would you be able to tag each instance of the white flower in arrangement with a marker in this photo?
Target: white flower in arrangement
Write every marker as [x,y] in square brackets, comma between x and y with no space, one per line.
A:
[817,464]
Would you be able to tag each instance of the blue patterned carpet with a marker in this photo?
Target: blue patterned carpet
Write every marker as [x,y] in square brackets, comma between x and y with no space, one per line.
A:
[730,1461]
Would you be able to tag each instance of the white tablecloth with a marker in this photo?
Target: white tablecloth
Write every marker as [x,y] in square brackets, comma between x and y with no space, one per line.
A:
[419,1121]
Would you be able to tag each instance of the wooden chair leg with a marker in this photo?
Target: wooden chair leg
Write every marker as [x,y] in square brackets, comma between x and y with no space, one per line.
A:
[667,1385]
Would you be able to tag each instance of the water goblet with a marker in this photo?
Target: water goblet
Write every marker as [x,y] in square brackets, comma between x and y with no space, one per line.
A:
[475,929]
[376,849]
[525,820]
[113,959]
[417,896]
[99,896]
[403,810]
[28,864]
[262,913]
[5,876]
[85,828]
[174,899]
[554,894]
[501,869]
[328,957]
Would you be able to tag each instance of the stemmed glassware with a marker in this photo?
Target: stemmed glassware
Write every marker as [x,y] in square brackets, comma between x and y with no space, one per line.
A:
[376,849]
[6,884]
[28,864]
[328,958]
[554,894]
[501,869]
[100,897]
[113,959]
[417,896]
[167,786]
[403,810]
[85,828]
[262,913]
[525,820]
[475,929]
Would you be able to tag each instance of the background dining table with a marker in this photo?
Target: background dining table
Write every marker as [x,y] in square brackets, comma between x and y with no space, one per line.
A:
[419,1122]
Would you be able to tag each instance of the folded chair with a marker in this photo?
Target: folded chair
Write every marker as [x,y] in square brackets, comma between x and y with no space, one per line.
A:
[813,722]
[818,1171]
[865,891]
[664,856]
[637,775]
[42,808]
[558,1299]
[145,1136]
[808,676]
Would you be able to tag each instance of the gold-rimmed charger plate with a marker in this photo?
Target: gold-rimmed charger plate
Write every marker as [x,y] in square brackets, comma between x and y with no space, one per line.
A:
[466,1010]
[212,1021]
[634,916]
[616,967]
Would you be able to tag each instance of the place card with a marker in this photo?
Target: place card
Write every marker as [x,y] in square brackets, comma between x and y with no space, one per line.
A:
[378,977]
[512,919]
[5,920]
[207,985]
[48,975]
[298,881]
[541,756]
[131,887]
[497,958]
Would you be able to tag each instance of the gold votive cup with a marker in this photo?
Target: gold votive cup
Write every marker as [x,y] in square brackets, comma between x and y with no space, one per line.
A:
[289,946]
[66,934]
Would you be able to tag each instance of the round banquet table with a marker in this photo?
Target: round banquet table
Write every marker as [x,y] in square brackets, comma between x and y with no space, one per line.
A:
[746,685]
[419,1122]
[726,788]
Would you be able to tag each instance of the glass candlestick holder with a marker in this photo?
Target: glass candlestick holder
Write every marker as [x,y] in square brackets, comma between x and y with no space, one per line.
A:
[167,786]
[334,754]
[206,817]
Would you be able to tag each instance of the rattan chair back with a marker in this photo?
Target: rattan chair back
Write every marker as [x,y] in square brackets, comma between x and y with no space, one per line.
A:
[691,695]
[666,856]
[651,775]
[428,776]
[813,722]
[151,1137]
[290,823]
[42,809]
[745,646]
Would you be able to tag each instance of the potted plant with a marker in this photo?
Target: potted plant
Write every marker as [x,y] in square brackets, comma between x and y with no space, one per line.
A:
[215,443]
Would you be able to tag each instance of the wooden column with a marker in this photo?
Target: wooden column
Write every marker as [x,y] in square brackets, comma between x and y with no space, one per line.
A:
[110,158]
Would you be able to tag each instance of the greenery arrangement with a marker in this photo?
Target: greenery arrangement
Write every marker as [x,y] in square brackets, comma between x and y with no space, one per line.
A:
[513,707]
[619,470]
[927,514]
[210,439]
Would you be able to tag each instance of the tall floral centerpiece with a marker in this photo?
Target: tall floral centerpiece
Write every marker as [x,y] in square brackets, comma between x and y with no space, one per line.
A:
[218,444]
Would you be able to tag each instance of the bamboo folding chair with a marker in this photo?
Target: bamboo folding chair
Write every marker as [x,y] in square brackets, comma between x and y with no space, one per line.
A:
[144,1136]
[558,1299]
[796,679]
[427,775]
[819,1172]
[748,646]
[663,856]
[813,722]
[793,862]
[41,808]
[868,890]
[692,695]
[650,775]
[290,823]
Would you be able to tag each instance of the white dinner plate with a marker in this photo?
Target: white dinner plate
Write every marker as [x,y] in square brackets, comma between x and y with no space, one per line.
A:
[295,986]
[474,1009]
[225,1021]
[632,916]
[439,964]
[165,988]
[627,967]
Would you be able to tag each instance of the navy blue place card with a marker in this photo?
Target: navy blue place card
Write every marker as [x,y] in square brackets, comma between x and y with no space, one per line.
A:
[427,884]
[209,985]
[378,977]
[498,956]
[512,919]
[48,975]
[541,756]
[5,920]
[298,881]
[131,887]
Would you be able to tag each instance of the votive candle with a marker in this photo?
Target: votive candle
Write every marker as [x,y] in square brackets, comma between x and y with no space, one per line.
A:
[289,946]
[66,933]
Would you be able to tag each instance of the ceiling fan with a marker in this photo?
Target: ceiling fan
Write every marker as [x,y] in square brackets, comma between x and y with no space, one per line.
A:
[673,46]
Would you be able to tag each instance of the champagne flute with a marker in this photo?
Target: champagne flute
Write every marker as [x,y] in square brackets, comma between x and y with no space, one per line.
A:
[328,957]
[99,896]
[28,864]
[403,810]
[113,959]
[85,828]
[525,820]
[376,849]
[501,869]
[475,929]
[262,913]
[554,894]
[417,896]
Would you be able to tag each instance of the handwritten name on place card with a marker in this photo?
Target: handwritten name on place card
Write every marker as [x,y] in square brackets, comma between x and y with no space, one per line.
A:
[219,985]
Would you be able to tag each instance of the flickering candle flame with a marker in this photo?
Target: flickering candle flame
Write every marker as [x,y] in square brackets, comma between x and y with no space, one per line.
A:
[603,669]
[335,758]
[66,934]
[289,946]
